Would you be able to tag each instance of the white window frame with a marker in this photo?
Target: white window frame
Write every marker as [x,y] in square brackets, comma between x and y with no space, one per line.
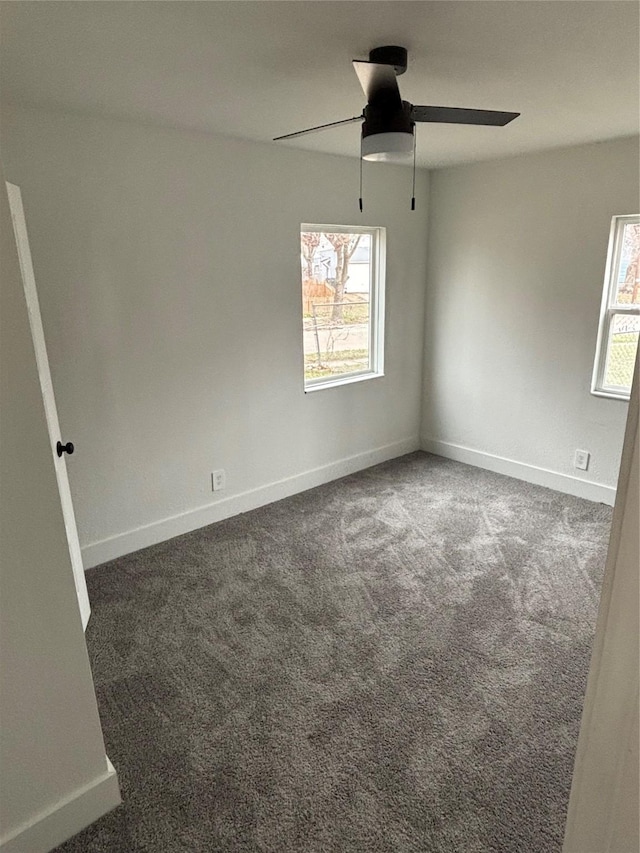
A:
[376,306]
[609,308]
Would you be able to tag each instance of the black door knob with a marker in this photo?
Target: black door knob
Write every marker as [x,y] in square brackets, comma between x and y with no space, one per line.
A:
[64,448]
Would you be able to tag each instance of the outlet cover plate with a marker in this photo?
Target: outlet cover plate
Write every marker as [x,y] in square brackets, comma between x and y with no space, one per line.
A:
[218,480]
[581,459]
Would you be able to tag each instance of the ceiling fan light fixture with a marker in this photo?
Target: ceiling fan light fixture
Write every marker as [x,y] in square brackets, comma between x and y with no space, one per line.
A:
[394,147]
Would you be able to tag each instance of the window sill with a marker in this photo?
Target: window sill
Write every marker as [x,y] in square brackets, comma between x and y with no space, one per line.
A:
[623,396]
[336,381]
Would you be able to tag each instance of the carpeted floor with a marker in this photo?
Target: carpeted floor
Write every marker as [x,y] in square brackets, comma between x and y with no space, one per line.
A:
[392,662]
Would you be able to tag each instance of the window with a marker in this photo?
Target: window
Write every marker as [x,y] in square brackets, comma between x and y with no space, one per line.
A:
[342,303]
[620,313]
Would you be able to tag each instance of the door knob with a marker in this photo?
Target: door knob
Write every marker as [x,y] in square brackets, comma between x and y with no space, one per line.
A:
[64,448]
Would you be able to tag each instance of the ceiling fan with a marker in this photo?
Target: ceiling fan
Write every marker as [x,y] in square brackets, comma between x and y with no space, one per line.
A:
[388,121]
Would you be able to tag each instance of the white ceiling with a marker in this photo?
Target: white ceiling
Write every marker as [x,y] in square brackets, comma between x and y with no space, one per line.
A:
[263,68]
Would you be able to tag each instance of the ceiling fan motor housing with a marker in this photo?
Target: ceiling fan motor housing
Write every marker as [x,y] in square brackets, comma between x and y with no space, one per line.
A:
[390,55]
[383,121]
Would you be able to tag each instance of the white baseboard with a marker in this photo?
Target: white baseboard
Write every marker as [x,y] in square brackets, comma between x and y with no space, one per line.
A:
[159,531]
[522,471]
[51,828]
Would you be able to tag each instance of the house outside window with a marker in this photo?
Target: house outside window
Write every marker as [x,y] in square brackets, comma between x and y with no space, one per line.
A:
[620,313]
[343,270]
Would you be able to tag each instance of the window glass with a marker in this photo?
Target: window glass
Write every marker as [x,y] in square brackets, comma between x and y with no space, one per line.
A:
[628,272]
[621,350]
[341,303]
[619,326]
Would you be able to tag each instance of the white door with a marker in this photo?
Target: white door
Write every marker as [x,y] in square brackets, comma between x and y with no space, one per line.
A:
[57,443]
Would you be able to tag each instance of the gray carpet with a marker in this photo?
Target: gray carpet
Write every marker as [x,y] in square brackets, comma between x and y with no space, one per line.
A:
[391,662]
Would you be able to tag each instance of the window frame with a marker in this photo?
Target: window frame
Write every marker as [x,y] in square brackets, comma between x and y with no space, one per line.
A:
[608,308]
[377,288]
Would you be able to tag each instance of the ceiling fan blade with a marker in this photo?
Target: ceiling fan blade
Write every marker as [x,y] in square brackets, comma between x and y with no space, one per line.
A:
[457,115]
[318,127]
[379,83]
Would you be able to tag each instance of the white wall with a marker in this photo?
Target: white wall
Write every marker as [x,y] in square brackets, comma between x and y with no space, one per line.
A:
[169,280]
[54,772]
[517,250]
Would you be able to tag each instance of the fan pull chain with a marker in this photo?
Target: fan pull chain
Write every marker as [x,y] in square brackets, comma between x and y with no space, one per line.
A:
[413,188]
[360,199]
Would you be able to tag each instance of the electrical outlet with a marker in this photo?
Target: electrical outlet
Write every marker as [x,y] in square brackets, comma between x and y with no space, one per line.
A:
[218,480]
[581,459]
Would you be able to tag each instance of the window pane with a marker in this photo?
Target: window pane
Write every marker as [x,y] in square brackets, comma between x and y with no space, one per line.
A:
[621,350]
[336,302]
[628,272]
